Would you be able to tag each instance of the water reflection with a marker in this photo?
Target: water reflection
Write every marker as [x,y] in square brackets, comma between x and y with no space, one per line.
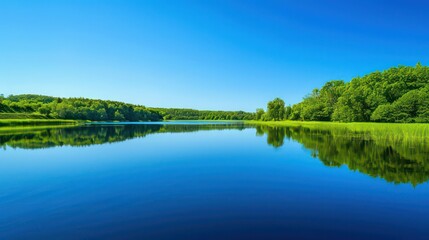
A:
[97,134]
[395,160]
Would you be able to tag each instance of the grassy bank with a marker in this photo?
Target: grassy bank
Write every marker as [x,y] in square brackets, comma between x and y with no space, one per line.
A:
[22,116]
[391,131]
[8,123]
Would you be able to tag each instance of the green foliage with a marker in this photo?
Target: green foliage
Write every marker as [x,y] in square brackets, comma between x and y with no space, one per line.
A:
[31,98]
[34,122]
[364,95]
[411,107]
[36,136]
[192,114]
[276,110]
[37,106]
[288,112]
[399,94]
[22,116]
[320,104]
[398,153]
[383,113]
[259,114]
[296,112]
[77,108]
[98,110]
[118,116]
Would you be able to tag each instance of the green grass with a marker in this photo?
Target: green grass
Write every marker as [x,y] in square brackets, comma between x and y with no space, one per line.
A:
[9,123]
[15,126]
[22,116]
[6,131]
[387,131]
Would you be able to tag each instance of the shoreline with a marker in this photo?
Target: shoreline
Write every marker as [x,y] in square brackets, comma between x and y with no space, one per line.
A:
[37,122]
[379,130]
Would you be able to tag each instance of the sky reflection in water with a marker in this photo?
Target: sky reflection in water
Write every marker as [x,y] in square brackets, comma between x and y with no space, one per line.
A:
[210,182]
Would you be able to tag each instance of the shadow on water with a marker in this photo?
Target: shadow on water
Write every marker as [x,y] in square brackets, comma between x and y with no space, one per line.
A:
[398,160]
[97,134]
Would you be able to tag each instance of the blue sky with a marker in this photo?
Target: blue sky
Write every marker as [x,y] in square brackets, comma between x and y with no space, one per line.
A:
[230,55]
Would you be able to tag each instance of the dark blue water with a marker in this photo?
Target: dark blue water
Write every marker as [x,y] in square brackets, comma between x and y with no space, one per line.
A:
[205,182]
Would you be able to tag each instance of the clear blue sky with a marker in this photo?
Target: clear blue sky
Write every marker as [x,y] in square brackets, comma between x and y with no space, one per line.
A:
[223,54]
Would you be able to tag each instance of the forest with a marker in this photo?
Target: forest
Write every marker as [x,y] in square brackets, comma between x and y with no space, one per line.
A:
[399,94]
[192,114]
[39,107]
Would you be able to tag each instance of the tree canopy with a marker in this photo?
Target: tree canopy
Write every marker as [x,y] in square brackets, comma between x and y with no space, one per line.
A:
[38,106]
[276,109]
[399,94]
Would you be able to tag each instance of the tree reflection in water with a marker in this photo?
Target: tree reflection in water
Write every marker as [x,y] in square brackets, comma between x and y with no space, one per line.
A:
[97,134]
[397,160]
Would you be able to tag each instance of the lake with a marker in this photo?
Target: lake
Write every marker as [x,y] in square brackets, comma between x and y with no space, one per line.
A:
[211,180]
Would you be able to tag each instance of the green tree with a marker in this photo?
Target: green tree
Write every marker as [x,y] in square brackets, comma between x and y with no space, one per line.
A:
[119,116]
[288,112]
[276,109]
[259,113]
[363,95]
[383,113]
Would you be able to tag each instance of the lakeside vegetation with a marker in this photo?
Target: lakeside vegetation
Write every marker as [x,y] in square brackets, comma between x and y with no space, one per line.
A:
[192,114]
[398,153]
[22,116]
[379,131]
[399,94]
[30,106]
[95,134]
[36,122]
[22,125]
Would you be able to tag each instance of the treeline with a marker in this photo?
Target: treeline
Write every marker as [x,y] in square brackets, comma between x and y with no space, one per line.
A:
[191,114]
[399,94]
[38,106]
[77,108]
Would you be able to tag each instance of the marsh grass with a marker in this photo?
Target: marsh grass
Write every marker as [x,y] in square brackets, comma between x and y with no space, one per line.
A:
[30,129]
[398,153]
[11,124]
[376,131]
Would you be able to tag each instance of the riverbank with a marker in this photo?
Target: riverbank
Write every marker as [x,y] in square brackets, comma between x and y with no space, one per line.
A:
[14,115]
[379,130]
[15,126]
[36,122]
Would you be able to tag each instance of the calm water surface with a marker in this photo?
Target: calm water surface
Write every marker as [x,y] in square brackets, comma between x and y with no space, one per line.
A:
[210,181]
